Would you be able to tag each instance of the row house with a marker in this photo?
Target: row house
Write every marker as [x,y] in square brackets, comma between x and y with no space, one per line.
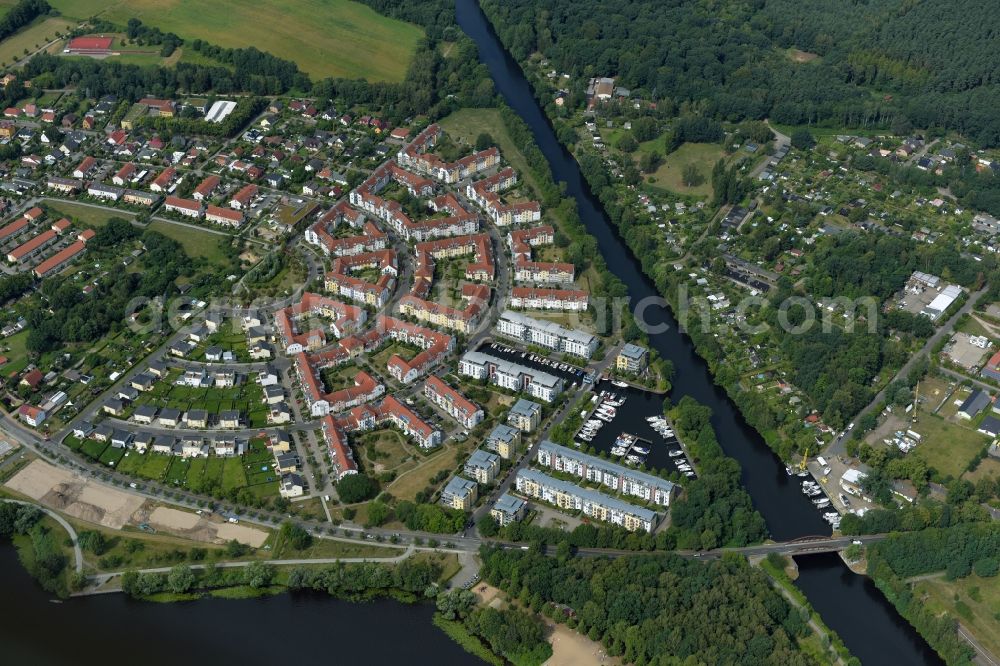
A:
[224,216]
[365,389]
[107,192]
[475,304]
[206,187]
[186,207]
[346,319]
[244,198]
[140,198]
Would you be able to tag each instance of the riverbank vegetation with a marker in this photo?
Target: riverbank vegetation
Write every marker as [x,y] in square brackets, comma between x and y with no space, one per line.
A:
[38,545]
[961,554]
[643,607]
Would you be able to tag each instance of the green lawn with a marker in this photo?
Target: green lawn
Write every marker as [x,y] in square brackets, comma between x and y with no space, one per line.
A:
[336,38]
[111,456]
[93,448]
[947,447]
[197,243]
[177,472]
[669,175]
[155,466]
[36,34]
[15,349]
[131,463]
[974,601]
[233,475]
[86,215]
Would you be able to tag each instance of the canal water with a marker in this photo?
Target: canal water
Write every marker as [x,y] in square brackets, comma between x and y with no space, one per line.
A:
[299,628]
[870,627]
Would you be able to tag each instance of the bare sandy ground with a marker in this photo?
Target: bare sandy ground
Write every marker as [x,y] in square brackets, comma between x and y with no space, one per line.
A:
[249,535]
[200,528]
[74,495]
[568,647]
[572,649]
[82,498]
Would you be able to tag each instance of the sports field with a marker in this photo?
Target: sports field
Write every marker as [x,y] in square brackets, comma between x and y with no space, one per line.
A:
[324,37]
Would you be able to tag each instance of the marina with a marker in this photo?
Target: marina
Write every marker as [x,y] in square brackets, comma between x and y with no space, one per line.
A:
[572,375]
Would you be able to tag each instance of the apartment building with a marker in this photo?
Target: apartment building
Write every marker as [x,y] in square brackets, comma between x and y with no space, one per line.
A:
[517,326]
[591,503]
[617,477]
[504,440]
[482,466]
[460,493]
[452,402]
[512,376]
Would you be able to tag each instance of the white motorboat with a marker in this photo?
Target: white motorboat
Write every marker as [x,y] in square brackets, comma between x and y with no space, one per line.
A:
[640,449]
[674,454]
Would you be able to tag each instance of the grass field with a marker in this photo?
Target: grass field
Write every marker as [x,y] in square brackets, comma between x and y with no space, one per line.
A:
[988,468]
[669,175]
[12,48]
[467,124]
[15,348]
[197,243]
[324,37]
[947,447]
[974,601]
[88,215]
[408,484]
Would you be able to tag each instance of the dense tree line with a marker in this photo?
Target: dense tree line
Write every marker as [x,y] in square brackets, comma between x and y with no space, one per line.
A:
[21,14]
[41,555]
[436,17]
[928,62]
[366,580]
[715,510]
[658,608]
[13,286]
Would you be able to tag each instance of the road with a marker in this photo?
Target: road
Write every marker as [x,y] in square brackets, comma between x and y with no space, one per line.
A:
[77,552]
[838,447]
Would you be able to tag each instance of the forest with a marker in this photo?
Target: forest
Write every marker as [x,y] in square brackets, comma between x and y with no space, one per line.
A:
[880,63]
[643,607]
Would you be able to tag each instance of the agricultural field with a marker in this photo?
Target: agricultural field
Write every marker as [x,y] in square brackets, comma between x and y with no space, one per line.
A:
[336,38]
[32,37]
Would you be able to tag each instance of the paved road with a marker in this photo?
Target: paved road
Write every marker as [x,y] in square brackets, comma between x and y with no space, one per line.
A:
[77,553]
[838,447]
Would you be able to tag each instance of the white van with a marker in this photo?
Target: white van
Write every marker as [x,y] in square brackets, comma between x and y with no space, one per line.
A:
[821,461]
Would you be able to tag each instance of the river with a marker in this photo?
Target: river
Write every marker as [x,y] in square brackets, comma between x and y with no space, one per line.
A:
[868,624]
[305,628]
